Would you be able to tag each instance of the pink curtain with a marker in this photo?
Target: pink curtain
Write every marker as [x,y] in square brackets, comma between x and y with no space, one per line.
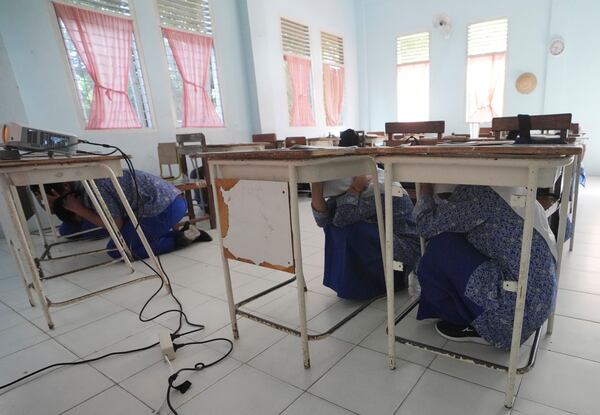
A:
[485,87]
[413,91]
[103,43]
[301,112]
[192,56]
[333,91]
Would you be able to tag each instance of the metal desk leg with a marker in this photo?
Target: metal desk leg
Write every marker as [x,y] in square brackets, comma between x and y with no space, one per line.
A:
[378,210]
[562,226]
[36,217]
[108,224]
[226,272]
[293,180]
[138,229]
[577,166]
[47,209]
[521,287]
[22,273]
[389,265]
[108,215]
[22,247]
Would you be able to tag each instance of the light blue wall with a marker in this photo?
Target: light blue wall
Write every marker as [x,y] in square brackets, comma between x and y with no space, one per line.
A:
[383,20]
[36,53]
[333,16]
[574,76]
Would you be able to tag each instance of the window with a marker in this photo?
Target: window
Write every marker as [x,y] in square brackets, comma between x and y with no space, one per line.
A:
[412,77]
[332,55]
[187,34]
[486,66]
[105,63]
[296,55]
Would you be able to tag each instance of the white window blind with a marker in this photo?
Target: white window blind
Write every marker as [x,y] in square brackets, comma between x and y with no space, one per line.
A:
[412,48]
[295,38]
[487,37]
[189,15]
[112,6]
[332,49]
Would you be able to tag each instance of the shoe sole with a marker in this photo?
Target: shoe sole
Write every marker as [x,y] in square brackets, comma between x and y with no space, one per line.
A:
[478,340]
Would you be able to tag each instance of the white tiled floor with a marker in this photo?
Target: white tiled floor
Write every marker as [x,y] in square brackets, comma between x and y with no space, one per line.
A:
[264,374]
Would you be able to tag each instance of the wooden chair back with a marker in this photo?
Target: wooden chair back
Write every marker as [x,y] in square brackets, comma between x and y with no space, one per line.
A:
[485,132]
[167,156]
[270,139]
[574,129]
[558,122]
[191,139]
[420,127]
[292,141]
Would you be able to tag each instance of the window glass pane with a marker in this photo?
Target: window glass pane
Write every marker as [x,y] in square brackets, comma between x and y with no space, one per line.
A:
[486,66]
[212,85]
[412,77]
[85,85]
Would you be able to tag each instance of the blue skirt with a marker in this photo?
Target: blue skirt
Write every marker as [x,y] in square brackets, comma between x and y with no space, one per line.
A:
[444,271]
[353,264]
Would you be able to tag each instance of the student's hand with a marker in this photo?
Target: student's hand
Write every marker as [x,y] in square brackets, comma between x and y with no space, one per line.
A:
[360,183]
[73,203]
[426,189]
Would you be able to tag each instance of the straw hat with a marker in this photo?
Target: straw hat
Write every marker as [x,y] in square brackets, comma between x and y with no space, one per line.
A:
[526,83]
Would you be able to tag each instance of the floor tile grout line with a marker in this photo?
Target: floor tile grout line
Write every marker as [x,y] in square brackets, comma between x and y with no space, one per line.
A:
[411,390]
[113,383]
[577,318]
[318,397]
[219,379]
[579,291]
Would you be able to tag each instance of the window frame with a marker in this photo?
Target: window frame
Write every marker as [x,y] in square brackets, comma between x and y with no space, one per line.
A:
[218,64]
[506,64]
[398,36]
[287,80]
[74,90]
[343,65]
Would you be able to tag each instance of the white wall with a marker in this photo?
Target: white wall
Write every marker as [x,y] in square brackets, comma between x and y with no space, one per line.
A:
[32,40]
[334,16]
[383,20]
[573,77]
[11,105]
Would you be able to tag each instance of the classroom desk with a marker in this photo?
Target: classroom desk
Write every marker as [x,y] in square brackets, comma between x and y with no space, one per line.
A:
[195,151]
[287,167]
[315,141]
[43,170]
[374,140]
[503,165]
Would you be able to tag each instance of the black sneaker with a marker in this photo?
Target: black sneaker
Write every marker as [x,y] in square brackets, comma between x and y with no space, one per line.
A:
[204,237]
[458,333]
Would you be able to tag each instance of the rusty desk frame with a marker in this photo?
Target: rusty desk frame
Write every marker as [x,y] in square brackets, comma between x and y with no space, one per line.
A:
[292,167]
[505,165]
[43,170]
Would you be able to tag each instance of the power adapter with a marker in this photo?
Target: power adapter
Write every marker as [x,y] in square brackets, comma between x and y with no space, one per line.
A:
[166,344]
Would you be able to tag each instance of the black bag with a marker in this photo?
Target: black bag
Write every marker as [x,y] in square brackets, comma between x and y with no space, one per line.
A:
[523,134]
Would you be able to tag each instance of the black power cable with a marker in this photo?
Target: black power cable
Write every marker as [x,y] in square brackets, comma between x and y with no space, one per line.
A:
[184,386]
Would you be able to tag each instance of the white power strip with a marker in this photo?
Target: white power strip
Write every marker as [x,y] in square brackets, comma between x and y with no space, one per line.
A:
[166,344]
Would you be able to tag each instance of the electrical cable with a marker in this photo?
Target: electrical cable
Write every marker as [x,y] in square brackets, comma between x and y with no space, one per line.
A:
[185,385]
[182,316]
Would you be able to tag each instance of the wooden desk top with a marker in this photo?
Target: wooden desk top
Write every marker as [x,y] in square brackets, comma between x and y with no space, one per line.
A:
[493,151]
[57,160]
